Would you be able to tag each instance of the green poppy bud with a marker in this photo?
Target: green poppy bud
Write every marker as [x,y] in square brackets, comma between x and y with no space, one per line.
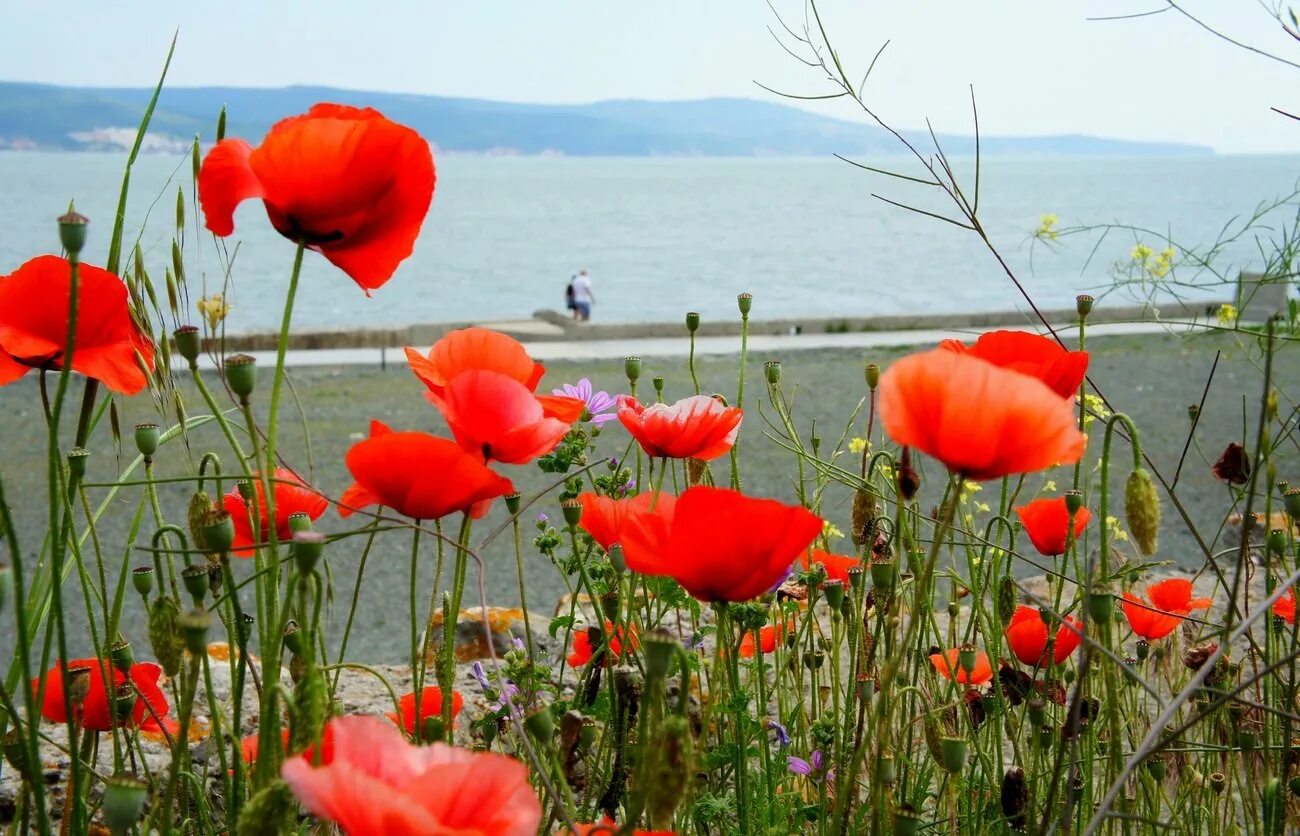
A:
[1142,510]
[1083,305]
[195,578]
[772,370]
[692,321]
[72,233]
[219,531]
[147,438]
[241,374]
[745,301]
[188,343]
[632,368]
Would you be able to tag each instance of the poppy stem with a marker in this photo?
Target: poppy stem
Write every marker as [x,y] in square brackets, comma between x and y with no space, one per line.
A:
[416,667]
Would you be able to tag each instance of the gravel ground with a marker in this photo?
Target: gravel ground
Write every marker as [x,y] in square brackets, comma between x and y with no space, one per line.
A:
[1151,378]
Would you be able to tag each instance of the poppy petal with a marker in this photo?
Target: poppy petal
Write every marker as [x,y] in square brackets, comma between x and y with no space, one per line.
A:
[225,181]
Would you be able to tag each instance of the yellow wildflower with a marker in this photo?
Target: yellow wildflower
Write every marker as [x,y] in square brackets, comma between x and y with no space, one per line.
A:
[1094,407]
[830,531]
[857,445]
[214,309]
[1227,314]
[1050,486]
[1047,227]
[1117,531]
[1141,253]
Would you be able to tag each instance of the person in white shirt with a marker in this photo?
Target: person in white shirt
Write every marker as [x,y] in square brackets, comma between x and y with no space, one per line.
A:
[583,298]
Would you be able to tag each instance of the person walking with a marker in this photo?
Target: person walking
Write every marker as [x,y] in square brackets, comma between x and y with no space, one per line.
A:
[568,296]
[583,297]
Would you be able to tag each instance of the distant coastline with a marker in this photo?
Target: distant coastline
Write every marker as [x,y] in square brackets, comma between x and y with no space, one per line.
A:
[42,117]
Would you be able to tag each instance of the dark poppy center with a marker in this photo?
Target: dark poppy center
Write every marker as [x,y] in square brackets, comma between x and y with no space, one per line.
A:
[308,237]
[42,361]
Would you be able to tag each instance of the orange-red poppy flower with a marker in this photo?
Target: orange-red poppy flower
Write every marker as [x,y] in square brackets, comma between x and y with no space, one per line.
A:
[698,427]
[982,421]
[94,711]
[720,544]
[379,782]
[1027,637]
[34,308]
[583,648]
[1047,522]
[836,566]
[292,496]
[949,661]
[430,706]
[768,638]
[1171,602]
[1063,371]
[607,827]
[475,349]
[498,418]
[344,181]
[250,747]
[605,518]
[418,475]
[1284,607]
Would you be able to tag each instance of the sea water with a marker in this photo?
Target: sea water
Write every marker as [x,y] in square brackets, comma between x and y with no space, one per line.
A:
[661,236]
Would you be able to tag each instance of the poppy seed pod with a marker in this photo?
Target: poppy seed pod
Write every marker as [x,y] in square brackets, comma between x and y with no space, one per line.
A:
[1277,542]
[907,822]
[692,321]
[1193,412]
[884,573]
[834,592]
[658,382]
[147,438]
[77,458]
[120,653]
[194,629]
[124,799]
[873,376]
[1101,605]
[954,750]
[772,370]
[293,637]
[541,725]
[307,547]
[1142,510]
[299,521]
[188,343]
[241,374]
[966,656]
[1073,501]
[513,503]
[219,531]
[432,730]
[1218,782]
[72,233]
[124,700]
[195,578]
[659,647]
[572,510]
[1083,305]
[616,558]
[745,301]
[632,368]
[1291,501]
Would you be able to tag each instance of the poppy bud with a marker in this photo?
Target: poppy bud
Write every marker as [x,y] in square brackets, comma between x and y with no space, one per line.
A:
[1142,510]
[863,516]
[307,548]
[293,637]
[692,321]
[1277,542]
[1015,797]
[659,647]
[541,725]
[188,343]
[909,481]
[147,437]
[513,501]
[572,509]
[658,382]
[6,584]
[616,558]
[241,374]
[745,301]
[954,751]
[1193,412]
[120,653]
[632,368]
[907,822]
[195,578]
[162,634]
[1291,501]
[873,376]
[1006,600]
[1083,304]
[77,458]
[72,233]
[219,531]
[124,798]
[772,368]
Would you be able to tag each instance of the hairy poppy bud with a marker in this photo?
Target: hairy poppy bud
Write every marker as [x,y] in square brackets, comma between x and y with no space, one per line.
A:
[772,369]
[745,301]
[77,458]
[241,374]
[1142,510]
[863,517]
[147,438]
[1006,600]
[692,321]
[187,342]
[873,376]
[72,233]
[124,798]
[1083,305]
[164,639]
[632,368]
[200,509]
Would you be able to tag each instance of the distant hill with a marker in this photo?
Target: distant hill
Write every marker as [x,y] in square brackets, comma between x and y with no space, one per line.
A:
[38,116]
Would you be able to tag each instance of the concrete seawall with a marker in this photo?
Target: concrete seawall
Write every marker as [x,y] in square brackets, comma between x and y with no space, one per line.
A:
[546,326]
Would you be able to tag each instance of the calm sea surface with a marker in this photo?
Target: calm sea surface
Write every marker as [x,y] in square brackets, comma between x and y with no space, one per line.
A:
[661,236]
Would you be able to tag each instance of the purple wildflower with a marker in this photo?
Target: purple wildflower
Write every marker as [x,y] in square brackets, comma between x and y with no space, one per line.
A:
[601,406]
[480,675]
[788,572]
[782,736]
[798,766]
[517,642]
[543,519]
[811,767]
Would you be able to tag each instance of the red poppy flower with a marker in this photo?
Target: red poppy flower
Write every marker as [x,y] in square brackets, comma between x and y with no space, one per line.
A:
[719,544]
[1171,602]
[837,566]
[344,181]
[980,420]
[1063,371]
[607,827]
[1233,465]
[605,518]
[498,418]
[292,496]
[250,746]
[94,712]
[1027,636]
[475,349]
[1284,607]
[768,638]
[583,648]
[430,706]
[1047,522]
[698,427]
[418,475]
[379,782]
[34,308]
[948,661]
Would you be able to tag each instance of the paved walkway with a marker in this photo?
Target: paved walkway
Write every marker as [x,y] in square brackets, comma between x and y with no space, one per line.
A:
[760,346]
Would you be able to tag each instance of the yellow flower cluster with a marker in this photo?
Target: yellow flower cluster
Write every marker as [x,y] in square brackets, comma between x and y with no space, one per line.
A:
[1117,531]
[829,531]
[1227,314]
[1152,263]
[214,309]
[1093,408]
[857,445]
[1047,227]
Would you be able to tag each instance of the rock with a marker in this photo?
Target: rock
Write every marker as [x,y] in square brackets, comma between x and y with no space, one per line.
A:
[504,625]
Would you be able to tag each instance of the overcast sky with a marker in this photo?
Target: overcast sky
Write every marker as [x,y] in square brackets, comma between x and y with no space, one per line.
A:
[1038,66]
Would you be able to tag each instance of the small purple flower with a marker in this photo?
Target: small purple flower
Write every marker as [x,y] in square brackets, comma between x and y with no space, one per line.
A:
[477,670]
[788,572]
[695,642]
[817,760]
[517,642]
[782,736]
[543,519]
[601,406]
[798,766]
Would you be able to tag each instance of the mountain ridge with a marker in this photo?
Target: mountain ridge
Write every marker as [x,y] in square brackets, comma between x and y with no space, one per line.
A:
[37,116]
